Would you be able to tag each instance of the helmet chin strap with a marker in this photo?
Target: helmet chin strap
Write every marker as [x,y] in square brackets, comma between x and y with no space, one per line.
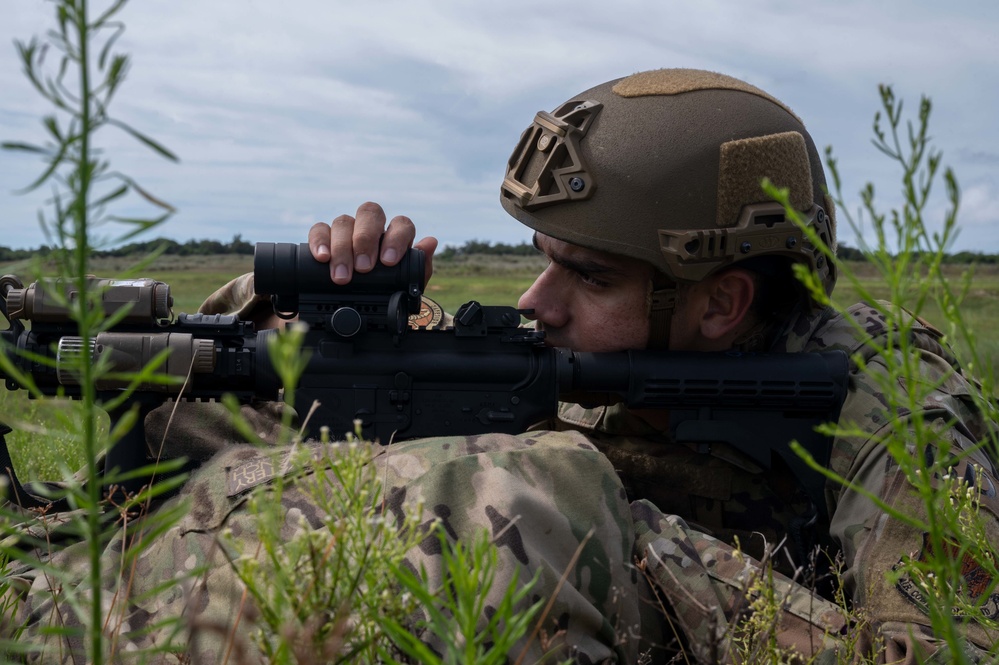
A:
[664,295]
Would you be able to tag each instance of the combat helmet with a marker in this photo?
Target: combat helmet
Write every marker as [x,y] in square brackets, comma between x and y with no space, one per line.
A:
[665,166]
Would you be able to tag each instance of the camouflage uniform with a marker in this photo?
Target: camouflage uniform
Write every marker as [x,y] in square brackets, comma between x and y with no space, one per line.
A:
[728,495]
[660,512]
[542,496]
[873,543]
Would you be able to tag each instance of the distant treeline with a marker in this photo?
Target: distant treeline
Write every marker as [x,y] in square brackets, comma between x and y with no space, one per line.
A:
[190,248]
[958,258]
[471,247]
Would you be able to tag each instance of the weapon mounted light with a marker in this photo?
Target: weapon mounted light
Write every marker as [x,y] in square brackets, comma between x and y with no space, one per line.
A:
[148,299]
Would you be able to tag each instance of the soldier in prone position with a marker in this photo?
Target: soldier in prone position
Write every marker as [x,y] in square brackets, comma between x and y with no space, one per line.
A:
[644,194]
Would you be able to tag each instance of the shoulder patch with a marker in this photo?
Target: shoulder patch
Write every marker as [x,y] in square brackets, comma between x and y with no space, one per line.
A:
[976,583]
[263,468]
[266,466]
[430,315]
[248,475]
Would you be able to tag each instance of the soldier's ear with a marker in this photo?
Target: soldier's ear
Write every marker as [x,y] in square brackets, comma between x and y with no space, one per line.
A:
[729,299]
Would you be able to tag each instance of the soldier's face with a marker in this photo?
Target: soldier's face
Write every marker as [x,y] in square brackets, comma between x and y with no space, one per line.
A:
[589,300]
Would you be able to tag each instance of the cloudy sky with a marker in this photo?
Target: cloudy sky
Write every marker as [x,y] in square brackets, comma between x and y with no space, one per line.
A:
[287,113]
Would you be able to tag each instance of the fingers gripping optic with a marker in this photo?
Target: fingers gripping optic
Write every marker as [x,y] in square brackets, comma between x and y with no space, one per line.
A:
[319,242]
[342,259]
[397,239]
[359,242]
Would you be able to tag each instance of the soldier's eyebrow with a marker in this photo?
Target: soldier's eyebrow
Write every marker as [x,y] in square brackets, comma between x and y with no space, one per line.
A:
[584,266]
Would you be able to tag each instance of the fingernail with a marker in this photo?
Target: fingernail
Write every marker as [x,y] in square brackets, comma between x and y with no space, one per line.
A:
[363,262]
[342,272]
[389,256]
[323,250]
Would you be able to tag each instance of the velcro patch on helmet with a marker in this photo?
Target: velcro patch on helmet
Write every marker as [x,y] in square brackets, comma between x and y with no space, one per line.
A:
[783,158]
[677,81]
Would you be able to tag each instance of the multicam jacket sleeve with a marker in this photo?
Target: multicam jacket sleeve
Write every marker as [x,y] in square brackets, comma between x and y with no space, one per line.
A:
[550,501]
[714,589]
[937,399]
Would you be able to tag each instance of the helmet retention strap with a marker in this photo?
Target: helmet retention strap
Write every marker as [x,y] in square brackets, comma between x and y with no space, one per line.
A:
[662,305]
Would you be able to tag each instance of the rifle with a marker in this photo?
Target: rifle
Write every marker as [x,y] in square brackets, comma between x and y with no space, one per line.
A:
[366,364]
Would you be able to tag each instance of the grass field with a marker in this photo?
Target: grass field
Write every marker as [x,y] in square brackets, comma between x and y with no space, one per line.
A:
[492,280]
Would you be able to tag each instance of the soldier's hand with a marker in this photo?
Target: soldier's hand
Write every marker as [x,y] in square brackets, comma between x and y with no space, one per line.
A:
[356,243]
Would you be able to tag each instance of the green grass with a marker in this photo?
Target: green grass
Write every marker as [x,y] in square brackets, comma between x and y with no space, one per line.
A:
[980,308]
[43,440]
[450,292]
[492,280]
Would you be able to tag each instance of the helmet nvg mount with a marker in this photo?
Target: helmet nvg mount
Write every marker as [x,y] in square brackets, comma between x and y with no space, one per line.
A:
[665,166]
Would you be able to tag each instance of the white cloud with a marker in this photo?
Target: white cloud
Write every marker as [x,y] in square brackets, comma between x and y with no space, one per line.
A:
[980,206]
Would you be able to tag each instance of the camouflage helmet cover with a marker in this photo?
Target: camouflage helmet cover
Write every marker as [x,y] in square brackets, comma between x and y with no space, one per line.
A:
[665,166]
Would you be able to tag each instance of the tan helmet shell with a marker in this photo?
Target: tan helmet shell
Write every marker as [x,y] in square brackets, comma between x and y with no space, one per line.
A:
[665,166]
